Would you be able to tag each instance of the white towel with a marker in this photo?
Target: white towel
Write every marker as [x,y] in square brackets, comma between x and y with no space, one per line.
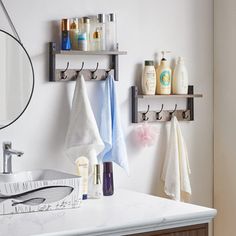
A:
[176,168]
[83,138]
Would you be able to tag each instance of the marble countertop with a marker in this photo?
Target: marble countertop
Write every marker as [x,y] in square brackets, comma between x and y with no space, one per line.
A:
[126,212]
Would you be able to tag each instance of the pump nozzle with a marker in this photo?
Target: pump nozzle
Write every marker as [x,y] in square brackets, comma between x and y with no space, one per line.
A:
[163,54]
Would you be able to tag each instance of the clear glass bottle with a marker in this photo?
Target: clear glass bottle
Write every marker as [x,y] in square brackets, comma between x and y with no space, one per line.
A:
[96,41]
[102,30]
[85,28]
[108,185]
[111,33]
[74,34]
[97,183]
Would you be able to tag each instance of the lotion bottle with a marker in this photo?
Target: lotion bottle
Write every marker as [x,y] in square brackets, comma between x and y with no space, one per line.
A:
[82,170]
[149,78]
[180,78]
[163,72]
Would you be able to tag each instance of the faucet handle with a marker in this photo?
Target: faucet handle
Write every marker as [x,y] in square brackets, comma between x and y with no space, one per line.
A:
[6,145]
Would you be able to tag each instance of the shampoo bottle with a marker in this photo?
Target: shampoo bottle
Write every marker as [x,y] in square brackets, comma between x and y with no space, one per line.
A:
[108,185]
[74,34]
[82,170]
[180,78]
[163,71]
[65,34]
[149,78]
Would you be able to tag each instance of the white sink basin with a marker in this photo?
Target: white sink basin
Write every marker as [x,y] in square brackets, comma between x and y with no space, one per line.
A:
[38,190]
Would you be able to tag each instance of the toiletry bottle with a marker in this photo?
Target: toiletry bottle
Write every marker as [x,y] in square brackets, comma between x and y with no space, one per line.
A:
[102,30]
[86,30]
[74,34]
[149,78]
[108,185]
[65,34]
[96,42]
[82,42]
[111,33]
[82,170]
[163,72]
[97,182]
[180,78]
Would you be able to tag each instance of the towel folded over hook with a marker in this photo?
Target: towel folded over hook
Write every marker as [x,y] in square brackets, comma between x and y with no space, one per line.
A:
[83,138]
[176,168]
[111,129]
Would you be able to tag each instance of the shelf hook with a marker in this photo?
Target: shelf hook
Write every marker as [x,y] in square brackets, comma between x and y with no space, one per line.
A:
[107,72]
[158,113]
[172,112]
[63,73]
[145,118]
[95,77]
[185,117]
[78,71]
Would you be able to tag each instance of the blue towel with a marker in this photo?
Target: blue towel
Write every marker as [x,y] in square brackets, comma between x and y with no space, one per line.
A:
[110,128]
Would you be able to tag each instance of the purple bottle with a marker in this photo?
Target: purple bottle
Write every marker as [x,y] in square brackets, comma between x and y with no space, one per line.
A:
[108,186]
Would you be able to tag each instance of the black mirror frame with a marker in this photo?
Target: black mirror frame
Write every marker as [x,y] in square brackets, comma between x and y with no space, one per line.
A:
[31,94]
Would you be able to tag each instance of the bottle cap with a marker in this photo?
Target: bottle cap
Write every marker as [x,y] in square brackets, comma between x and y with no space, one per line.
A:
[65,25]
[111,17]
[85,20]
[96,174]
[149,63]
[74,24]
[101,18]
[107,167]
[96,34]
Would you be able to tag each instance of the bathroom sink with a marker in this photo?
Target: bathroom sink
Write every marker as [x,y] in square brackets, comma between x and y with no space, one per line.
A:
[39,190]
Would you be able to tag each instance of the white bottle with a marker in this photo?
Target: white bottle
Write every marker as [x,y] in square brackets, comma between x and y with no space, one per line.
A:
[96,191]
[149,79]
[180,78]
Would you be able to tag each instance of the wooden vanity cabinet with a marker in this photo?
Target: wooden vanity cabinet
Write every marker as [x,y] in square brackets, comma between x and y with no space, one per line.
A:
[193,230]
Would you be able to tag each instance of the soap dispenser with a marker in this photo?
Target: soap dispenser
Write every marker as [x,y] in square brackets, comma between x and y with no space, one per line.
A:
[163,73]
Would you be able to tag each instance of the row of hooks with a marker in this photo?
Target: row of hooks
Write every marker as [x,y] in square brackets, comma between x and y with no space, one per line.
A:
[158,117]
[64,76]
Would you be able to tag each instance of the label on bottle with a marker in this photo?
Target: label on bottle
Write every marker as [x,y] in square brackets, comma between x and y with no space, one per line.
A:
[165,78]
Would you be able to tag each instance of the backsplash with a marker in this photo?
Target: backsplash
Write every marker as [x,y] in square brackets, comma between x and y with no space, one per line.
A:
[143,28]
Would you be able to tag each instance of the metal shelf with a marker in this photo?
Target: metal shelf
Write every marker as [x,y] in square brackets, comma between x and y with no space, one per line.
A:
[172,96]
[90,53]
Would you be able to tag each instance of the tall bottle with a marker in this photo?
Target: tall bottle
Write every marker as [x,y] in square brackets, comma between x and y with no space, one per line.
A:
[85,25]
[102,30]
[97,183]
[164,74]
[111,33]
[180,78]
[65,34]
[74,34]
[149,78]
[108,185]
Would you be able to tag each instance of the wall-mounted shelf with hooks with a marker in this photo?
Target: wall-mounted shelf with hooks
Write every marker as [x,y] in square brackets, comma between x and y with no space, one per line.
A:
[89,74]
[163,115]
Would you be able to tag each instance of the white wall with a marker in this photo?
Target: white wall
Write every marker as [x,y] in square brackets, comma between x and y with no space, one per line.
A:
[145,27]
[225,116]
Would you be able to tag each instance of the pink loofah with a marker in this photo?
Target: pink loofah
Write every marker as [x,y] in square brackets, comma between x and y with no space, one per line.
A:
[145,135]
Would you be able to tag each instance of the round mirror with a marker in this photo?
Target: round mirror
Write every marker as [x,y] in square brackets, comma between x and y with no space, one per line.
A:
[16,79]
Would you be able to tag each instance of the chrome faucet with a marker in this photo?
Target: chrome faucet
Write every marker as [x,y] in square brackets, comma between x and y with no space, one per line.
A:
[7,157]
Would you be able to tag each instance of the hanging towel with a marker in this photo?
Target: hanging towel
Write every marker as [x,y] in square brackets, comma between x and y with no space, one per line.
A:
[176,168]
[110,128]
[83,138]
